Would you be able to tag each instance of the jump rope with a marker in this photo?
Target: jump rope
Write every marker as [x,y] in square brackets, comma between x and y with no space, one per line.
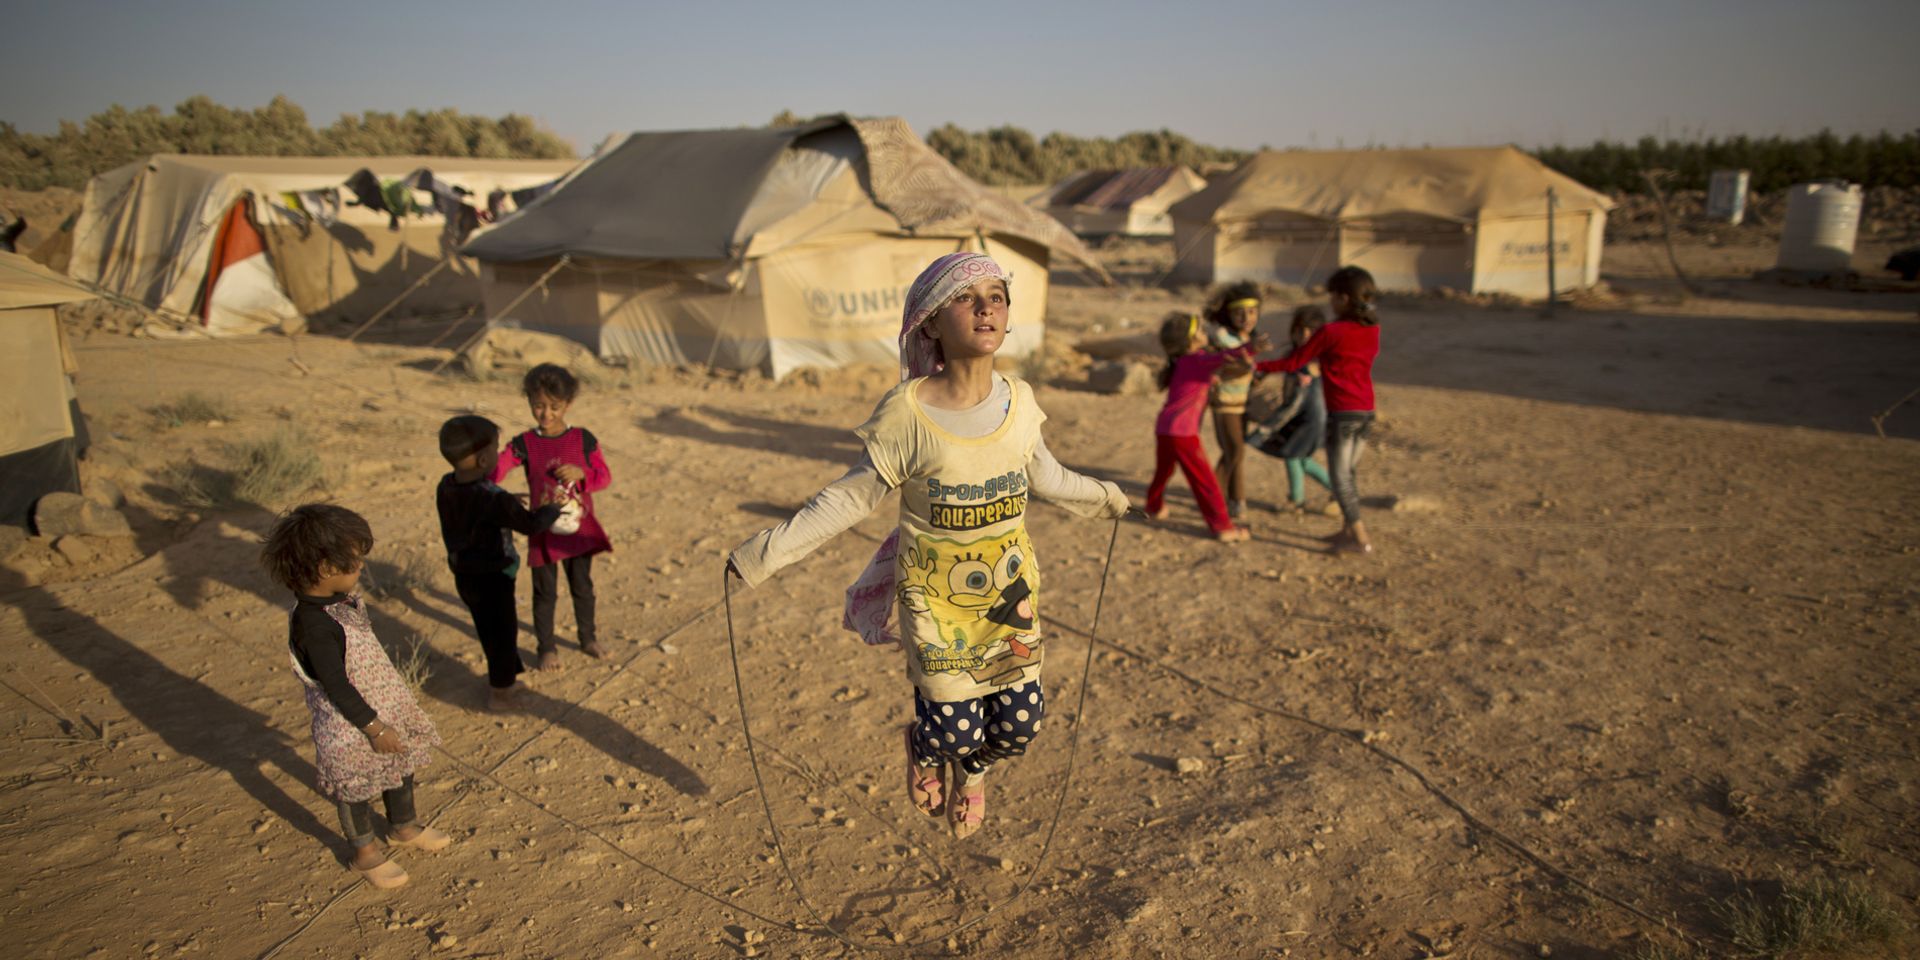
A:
[1053,824]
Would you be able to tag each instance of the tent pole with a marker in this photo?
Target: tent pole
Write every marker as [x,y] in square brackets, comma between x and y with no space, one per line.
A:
[1553,291]
[404,294]
[565,258]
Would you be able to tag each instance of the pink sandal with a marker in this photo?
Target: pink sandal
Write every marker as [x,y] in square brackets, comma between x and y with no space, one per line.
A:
[924,789]
[967,808]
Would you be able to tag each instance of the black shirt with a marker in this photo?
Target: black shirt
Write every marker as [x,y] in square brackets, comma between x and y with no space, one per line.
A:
[319,643]
[477,521]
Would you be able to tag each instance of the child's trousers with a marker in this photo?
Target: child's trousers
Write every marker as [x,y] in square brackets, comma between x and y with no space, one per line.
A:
[978,732]
[1187,452]
[1346,441]
[1298,470]
[356,819]
[489,600]
[546,593]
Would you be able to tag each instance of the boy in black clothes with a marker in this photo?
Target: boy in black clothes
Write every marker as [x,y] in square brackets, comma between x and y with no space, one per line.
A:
[476,518]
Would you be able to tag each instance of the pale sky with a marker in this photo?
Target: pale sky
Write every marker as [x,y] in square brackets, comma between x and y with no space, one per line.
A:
[1240,74]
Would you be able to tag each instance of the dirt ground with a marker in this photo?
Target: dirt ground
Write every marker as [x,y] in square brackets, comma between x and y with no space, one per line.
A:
[1645,604]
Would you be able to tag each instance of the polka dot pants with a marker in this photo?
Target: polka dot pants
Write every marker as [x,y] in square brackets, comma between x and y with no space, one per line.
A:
[979,732]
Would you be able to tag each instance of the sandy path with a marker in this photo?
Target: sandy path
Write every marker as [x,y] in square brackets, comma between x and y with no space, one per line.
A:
[1650,609]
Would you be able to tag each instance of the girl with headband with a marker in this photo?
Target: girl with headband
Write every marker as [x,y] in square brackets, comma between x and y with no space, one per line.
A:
[1231,315]
[961,442]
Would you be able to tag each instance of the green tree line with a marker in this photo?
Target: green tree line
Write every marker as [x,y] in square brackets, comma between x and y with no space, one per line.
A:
[118,136]
[1004,155]
[1775,163]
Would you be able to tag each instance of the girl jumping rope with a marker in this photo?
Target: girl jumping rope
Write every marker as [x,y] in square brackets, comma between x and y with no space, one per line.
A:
[1190,368]
[962,444]
[1346,349]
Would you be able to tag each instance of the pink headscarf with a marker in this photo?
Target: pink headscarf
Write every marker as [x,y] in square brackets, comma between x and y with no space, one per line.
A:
[870,600]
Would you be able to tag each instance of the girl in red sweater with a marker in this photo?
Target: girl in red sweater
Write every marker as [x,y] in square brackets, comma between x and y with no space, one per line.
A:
[1346,349]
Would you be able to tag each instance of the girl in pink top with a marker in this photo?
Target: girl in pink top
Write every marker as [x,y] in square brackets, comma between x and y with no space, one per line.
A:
[563,464]
[1188,377]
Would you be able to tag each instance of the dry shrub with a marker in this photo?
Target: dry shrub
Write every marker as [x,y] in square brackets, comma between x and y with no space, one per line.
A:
[274,469]
[1816,915]
[192,407]
[409,656]
[268,472]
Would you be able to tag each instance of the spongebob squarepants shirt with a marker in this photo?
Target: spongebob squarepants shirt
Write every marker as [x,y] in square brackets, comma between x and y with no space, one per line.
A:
[968,585]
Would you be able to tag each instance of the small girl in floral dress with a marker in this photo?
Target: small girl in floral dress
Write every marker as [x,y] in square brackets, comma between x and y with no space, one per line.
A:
[369,734]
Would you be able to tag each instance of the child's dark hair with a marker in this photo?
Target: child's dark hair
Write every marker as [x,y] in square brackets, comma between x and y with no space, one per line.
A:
[553,380]
[1218,304]
[1309,318]
[1358,286]
[1176,338]
[309,536]
[467,434]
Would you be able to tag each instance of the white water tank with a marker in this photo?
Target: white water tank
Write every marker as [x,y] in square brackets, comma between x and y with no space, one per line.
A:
[1822,220]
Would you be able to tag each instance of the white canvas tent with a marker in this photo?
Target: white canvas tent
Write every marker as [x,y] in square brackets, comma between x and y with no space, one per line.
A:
[37,446]
[757,248]
[215,239]
[1472,219]
[1133,202]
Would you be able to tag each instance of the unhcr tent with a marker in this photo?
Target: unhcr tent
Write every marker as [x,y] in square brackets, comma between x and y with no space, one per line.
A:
[240,244]
[1131,202]
[757,248]
[37,447]
[1470,219]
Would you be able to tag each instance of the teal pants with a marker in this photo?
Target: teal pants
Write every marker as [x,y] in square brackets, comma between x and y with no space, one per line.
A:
[1298,469]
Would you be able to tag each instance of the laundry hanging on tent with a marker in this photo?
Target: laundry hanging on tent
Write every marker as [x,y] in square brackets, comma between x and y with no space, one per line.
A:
[450,201]
[523,197]
[322,205]
[366,190]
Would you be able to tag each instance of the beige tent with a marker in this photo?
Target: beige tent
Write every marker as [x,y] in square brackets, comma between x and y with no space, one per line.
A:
[37,446]
[1130,202]
[241,244]
[757,248]
[1470,219]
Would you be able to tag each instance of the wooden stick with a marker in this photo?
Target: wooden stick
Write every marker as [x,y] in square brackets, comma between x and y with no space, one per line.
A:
[1880,419]
[1653,178]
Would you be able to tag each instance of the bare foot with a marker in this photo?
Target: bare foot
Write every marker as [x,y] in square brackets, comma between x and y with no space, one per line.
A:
[1233,535]
[1160,514]
[592,648]
[549,659]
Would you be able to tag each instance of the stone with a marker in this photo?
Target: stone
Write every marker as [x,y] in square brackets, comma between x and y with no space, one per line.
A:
[76,549]
[61,514]
[1187,766]
[1415,503]
[1123,377]
[102,491]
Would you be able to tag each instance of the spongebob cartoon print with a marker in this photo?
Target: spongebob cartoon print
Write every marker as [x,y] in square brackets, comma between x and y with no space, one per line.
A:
[979,595]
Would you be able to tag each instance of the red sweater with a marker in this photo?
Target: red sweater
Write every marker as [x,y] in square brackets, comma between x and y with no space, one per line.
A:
[1345,349]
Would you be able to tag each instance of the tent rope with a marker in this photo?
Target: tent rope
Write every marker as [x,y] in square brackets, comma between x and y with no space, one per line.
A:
[1053,824]
[539,284]
[396,301]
